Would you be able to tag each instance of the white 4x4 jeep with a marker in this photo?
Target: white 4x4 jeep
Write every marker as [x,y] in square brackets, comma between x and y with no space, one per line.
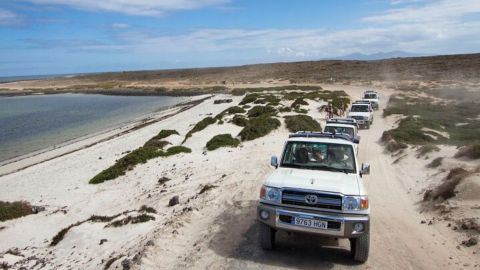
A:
[362,112]
[317,188]
[373,97]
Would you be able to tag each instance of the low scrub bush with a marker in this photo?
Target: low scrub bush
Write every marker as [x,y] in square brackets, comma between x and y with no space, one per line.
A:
[296,123]
[408,131]
[425,149]
[205,122]
[240,120]
[138,156]
[259,127]
[470,151]
[435,163]
[424,112]
[222,140]
[231,110]
[249,99]
[12,210]
[446,189]
[261,111]
[131,219]
[298,102]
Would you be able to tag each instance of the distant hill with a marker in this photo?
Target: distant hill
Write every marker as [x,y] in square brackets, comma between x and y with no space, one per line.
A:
[443,67]
[376,56]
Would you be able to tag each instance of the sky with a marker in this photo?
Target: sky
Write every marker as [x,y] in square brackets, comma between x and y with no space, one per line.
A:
[80,36]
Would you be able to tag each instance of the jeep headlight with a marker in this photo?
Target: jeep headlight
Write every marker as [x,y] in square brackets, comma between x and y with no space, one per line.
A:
[355,203]
[365,118]
[271,194]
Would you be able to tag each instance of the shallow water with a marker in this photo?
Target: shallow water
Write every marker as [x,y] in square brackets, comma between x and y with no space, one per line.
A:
[32,123]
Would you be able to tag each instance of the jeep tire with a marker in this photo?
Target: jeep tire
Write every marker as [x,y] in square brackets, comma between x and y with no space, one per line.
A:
[266,236]
[359,247]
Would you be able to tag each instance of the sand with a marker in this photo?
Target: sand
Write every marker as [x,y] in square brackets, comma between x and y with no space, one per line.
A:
[215,229]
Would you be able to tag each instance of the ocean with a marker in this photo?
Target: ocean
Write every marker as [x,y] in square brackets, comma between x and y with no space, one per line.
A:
[36,122]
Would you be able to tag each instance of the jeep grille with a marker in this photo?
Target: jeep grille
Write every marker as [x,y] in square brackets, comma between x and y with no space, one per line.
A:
[327,201]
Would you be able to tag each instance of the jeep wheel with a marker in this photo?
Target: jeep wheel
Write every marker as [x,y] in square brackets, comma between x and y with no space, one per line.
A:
[266,236]
[359,247]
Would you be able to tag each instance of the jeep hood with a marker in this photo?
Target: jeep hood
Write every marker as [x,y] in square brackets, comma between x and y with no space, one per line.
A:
[365,114]
[340,182]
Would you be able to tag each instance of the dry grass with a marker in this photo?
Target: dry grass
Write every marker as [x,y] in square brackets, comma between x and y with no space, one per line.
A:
[469,151]
[12,210]
[446,189]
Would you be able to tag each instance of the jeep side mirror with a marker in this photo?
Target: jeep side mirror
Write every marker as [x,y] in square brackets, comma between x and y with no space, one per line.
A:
[356,140]
[274,161]
[365,169]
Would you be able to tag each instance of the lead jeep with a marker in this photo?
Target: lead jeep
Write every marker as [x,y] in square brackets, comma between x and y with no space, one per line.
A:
[317,188]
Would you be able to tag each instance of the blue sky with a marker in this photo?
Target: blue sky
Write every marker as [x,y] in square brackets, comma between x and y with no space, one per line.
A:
[74,36]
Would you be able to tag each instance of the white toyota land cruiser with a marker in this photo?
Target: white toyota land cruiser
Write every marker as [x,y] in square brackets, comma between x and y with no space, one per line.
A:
[362,112]
[373,97]
[317,188]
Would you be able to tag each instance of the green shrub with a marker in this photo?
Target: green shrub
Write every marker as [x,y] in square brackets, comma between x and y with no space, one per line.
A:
[222,140]
[425,149]
[435,163]
[231,110]
[298,102]
[304,111]
[442,116]
[12,210]
[249,99]
[261,111]
[240,120]
[175,150]
[408,131]
[205,122]
[156,141]
[128,162]
[296,123]
[285,109]
[259,127]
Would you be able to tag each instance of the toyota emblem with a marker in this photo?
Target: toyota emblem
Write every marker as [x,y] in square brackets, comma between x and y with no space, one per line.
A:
[311,199]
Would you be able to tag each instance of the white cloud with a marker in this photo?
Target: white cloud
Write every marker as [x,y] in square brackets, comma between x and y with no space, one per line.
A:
[431,28]
[7,17]
[436,11]
[134,7]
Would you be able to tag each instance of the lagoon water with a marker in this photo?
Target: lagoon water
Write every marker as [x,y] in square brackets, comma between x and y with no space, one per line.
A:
[32,123]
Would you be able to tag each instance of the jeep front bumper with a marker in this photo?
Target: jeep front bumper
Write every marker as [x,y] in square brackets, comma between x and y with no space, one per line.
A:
[339,224]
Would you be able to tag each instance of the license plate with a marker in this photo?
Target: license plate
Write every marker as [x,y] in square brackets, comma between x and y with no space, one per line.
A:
[312,223]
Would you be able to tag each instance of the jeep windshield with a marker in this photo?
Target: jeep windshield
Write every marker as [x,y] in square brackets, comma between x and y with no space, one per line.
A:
[370,96]
[344,130]
[359,108]
[319,156]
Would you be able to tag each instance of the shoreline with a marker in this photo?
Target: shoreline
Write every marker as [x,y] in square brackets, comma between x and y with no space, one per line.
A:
[22,162]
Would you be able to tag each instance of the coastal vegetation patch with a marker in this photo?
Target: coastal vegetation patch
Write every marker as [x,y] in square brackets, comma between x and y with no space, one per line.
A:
[429,121]
[153,148]
[222,140]
[258,127]
[205,122]
[299,122]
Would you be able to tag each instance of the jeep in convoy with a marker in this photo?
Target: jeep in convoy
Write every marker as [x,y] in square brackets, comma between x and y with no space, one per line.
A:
[347,126]
[362,112]
[317,188]
[373,97]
